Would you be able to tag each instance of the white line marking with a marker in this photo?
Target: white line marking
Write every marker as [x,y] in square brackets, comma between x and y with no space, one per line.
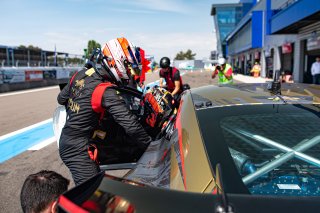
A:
[42,144]
[25,129]
[28,91]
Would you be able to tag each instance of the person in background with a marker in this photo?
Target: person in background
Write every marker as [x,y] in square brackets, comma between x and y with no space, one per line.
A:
[40,191]
[92,93]
[286,76]
[171,76]
[256,69]
[224,72]
[315,71]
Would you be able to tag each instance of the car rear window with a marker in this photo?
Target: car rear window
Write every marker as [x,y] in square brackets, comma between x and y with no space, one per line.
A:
[275,149]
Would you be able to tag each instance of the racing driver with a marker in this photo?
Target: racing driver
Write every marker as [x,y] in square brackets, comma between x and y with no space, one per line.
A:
[90,93]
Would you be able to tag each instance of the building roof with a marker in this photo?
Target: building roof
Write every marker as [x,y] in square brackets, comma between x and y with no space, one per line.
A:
[214,6]
[244,20]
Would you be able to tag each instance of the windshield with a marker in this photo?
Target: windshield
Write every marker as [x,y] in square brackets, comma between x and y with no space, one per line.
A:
[274,148]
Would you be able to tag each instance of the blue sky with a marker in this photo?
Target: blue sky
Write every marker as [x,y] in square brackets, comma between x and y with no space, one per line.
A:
[161,27]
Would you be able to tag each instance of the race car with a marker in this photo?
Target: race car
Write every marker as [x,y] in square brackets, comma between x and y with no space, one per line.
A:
[256,144]
[266,143]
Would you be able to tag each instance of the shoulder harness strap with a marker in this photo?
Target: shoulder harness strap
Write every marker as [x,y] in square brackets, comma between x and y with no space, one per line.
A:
[74,75]
[97,97]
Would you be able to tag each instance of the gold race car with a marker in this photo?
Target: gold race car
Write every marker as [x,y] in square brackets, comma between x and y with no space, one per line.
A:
[235,148]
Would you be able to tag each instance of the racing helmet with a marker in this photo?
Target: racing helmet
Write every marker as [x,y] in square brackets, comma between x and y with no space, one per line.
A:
[164,62]
[222,61]
[121,60]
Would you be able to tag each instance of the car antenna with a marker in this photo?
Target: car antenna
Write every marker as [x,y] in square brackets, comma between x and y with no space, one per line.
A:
[275,86]
[223,206]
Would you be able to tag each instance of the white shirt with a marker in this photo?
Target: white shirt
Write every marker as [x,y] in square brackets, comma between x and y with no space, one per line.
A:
[315,68]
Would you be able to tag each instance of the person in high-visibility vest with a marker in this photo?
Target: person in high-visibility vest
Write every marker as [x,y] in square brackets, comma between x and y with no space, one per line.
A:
[256,69]
[224,72]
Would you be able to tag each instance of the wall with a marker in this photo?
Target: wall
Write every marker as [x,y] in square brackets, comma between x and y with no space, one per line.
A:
[188,64]
[12,79]
[241,41]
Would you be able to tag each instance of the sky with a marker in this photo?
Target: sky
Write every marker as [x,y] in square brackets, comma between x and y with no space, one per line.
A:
[160,27]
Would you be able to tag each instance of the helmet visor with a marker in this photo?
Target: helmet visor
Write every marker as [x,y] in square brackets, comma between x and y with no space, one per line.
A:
[135,70]
[135,66]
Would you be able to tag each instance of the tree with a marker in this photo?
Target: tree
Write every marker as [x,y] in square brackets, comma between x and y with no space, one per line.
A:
[185,55]
[92,44]
[31,47]
[180,56]
[75,60]
[189,55]
[22,47]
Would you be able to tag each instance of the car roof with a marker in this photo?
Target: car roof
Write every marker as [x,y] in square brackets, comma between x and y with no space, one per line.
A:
[250,94]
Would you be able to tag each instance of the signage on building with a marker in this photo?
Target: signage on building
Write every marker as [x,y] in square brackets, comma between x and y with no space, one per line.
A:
[50,74]
[286,48]
[13,76]
[34,75]
[313,43]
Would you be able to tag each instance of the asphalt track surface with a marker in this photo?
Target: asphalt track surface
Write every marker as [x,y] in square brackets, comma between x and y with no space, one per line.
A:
[21,110]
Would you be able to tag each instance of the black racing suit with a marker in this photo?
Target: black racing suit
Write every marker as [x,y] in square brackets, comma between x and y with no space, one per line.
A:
[82,120]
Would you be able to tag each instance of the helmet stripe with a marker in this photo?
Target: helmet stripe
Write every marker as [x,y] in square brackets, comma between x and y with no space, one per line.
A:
[124,45]
[119,57]
[107,53]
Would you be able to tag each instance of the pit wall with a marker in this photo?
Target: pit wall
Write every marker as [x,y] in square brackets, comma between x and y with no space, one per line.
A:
[13,79]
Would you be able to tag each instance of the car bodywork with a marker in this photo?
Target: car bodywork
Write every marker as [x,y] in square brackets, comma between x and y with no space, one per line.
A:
[185,161]
[208,126]
[105,193]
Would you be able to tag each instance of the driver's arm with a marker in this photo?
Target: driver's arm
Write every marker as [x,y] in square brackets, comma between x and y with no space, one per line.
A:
[162,78]
[161,82]
[176,79]
[64,95]
[116,107]
[176,88]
